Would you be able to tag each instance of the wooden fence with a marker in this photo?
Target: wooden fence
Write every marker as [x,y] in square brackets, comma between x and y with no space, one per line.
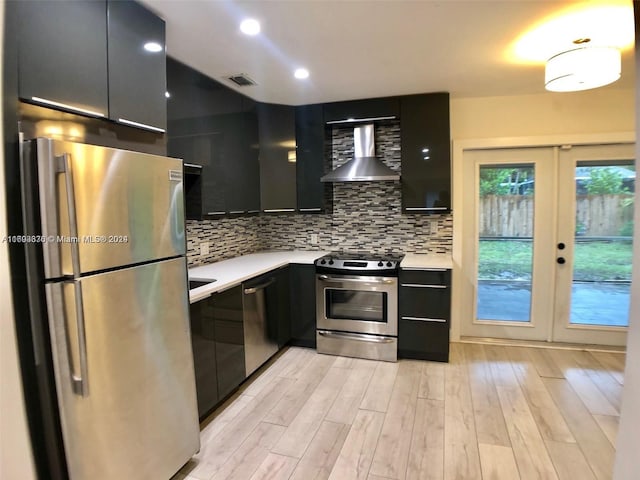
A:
[596,215]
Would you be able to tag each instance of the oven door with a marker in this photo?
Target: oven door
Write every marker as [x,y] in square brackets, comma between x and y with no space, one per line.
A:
[357,303]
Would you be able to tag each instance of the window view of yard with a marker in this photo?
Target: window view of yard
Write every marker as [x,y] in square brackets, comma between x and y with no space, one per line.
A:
[600,292]
[602,252]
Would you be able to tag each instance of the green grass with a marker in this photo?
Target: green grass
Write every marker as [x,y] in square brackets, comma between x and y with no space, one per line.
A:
[593,261]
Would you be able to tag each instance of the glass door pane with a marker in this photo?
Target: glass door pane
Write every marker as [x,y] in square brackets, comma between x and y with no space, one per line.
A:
[505,242]
[602,259]
[596,185]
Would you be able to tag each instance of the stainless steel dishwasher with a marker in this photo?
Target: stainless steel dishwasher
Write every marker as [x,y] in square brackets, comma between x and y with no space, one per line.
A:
[259,343]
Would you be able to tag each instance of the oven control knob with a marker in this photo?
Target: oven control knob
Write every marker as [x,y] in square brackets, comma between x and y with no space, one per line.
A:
[323,262]
[389,264]
[330,262]
[380,264]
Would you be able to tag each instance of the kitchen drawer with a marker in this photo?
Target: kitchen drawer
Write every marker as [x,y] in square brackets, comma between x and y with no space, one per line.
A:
[425,277]
[423,340]
[425,301]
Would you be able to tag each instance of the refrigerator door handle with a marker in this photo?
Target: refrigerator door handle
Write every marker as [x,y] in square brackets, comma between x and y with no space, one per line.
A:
[80,383]
[59,322]
[71,210]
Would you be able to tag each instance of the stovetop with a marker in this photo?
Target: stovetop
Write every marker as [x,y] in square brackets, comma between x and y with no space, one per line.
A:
[359,262]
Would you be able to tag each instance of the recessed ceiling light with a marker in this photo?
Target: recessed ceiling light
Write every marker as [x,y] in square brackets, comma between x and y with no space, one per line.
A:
[167,94]
[250,26]
[301,73]
[153,47]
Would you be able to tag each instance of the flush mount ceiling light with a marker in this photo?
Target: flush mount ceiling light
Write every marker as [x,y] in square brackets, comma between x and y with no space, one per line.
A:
[301,73]
[250,26]
[582,68]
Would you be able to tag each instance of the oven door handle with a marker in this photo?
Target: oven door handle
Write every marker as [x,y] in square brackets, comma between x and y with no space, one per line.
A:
[361,337]
[327,278]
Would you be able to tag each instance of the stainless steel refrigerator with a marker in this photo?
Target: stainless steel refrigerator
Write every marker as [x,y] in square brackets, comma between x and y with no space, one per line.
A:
[106,242]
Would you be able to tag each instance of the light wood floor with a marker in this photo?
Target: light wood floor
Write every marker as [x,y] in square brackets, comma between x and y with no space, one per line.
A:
[492,413]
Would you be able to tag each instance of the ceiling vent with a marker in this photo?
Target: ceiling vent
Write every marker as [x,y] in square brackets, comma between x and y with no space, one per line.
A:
[241,80]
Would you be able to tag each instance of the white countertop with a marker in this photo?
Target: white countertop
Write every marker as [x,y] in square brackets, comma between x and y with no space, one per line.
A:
[427,260]
[233,271]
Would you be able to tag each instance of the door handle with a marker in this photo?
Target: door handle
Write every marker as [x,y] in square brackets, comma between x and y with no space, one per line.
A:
[360,337]
[327,278]
[262,286]
[58,321]
[71,210]
[561,260]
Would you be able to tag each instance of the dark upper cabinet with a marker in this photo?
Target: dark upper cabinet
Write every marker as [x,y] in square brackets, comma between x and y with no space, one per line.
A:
[63,55]
[303,305]
[205,193]
[241,160]
[137,76]
[89,58]
[426,153]
[312,194]
[276,127]
[362,109]
[425,311]
[215,127]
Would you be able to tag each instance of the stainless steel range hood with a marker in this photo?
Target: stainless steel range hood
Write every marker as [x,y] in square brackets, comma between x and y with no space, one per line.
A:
[364,167]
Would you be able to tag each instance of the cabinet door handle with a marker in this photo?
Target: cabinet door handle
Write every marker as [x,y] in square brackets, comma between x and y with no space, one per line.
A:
[425,209]
[277,210]
[421,269]
[194,165]
[424,319]
[416,285]
[216,213]
[67,107]
[140,125]
[235,212]
[310,209]
[365,119]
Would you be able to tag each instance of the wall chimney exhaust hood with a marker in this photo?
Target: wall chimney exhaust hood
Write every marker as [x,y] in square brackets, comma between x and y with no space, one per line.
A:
[364,167]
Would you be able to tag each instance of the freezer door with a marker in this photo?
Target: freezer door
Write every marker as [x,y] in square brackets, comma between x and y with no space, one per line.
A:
[103,208]
[124,372]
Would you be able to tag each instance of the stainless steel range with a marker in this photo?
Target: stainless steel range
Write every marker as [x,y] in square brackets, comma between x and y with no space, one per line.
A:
[357,305]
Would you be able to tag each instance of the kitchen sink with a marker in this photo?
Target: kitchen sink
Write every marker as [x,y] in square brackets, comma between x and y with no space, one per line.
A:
[199,283]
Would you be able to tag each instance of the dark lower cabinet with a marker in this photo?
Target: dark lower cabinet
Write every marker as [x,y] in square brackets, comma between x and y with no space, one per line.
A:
[303,305]
[425,313]
[278,311]
[228,319]
[217,339]
[203,343]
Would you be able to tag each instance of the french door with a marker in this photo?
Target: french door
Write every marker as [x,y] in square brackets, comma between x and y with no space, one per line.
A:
[547,243]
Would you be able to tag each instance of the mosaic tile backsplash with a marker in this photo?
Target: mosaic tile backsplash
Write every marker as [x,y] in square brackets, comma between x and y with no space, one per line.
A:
[366,217]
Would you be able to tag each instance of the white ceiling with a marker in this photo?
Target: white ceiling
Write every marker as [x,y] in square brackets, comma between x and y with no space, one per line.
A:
[363,48]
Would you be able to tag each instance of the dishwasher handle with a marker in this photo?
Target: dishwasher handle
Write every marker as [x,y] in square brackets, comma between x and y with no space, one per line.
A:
[261,286]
